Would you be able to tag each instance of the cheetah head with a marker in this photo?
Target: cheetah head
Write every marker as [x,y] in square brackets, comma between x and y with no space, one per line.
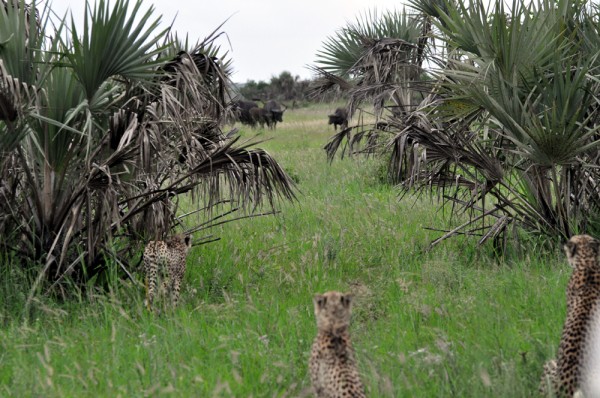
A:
[332,310]
[181,240]
[582,250]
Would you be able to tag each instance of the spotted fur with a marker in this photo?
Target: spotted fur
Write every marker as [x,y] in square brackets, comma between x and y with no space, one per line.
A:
[548,377]
[590,369]
[166,258]
[333,370]
[583,293]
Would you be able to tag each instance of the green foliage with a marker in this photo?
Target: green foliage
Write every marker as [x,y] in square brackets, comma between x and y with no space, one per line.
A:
[284,87]
[113,43]
[252,89]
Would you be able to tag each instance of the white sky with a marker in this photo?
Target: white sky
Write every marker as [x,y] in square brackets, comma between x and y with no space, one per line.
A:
[266,36]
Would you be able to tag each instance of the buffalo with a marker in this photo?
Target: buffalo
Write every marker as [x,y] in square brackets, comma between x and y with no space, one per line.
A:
[276,112]
[242,109]
[339,118]
[260,116]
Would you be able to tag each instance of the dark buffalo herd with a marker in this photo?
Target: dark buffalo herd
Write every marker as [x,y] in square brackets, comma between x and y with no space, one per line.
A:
[251,114]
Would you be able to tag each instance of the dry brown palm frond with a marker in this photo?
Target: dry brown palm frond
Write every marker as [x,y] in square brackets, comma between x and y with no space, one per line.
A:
[242,174]
[342,138]
[471,174]
[386,60]
[15,98]
[326,82]
[387,70]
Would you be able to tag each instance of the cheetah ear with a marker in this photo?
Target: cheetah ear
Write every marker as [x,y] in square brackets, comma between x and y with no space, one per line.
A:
[188,240]
[320,301]
[347,299]
[570,248]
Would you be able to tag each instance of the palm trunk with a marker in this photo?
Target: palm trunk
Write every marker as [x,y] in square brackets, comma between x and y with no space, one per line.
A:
[543,193]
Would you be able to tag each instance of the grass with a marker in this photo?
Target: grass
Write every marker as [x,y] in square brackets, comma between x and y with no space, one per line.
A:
[452,322]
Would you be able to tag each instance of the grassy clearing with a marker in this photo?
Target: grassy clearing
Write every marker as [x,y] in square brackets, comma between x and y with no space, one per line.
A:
[448,323]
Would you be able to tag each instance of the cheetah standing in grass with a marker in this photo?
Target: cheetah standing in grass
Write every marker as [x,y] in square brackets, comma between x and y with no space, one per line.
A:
[564,376]
[332,366]
[167,258]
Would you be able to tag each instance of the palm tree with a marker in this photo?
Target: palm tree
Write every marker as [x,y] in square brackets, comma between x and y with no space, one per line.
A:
[527,116]
[376,61]
[102,131]
[508,133]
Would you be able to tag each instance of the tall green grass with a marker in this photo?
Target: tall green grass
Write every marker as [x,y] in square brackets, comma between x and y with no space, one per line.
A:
[452,322]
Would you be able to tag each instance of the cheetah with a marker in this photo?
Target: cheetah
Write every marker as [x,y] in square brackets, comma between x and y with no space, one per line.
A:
[590,368]
[167,258]
[564,375]
[333,370]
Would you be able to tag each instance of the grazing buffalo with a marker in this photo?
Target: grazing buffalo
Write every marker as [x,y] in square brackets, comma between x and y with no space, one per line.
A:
[261,116]
[339,118]
[276,112]
[243,111]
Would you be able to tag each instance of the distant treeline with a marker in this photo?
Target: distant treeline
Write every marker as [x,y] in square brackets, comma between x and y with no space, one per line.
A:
[284,87]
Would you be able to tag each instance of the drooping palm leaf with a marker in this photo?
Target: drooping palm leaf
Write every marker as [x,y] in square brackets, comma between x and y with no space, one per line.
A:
[341,52]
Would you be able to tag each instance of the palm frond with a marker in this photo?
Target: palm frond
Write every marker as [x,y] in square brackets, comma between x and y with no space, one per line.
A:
[114,42]
[326,82]
[341,52]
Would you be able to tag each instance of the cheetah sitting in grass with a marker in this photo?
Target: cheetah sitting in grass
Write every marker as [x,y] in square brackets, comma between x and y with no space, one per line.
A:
[167,258]
[563,376]
[332,366]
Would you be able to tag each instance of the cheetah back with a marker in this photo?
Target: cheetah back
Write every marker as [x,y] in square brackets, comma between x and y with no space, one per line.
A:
[583,292]
[333,369]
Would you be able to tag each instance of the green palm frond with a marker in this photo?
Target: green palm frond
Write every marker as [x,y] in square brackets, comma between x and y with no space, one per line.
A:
[433,8]
[22,39]
[22,45]
[114,42]
[207,47]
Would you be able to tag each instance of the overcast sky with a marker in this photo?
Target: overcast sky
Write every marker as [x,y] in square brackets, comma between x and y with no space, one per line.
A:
[266,36]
